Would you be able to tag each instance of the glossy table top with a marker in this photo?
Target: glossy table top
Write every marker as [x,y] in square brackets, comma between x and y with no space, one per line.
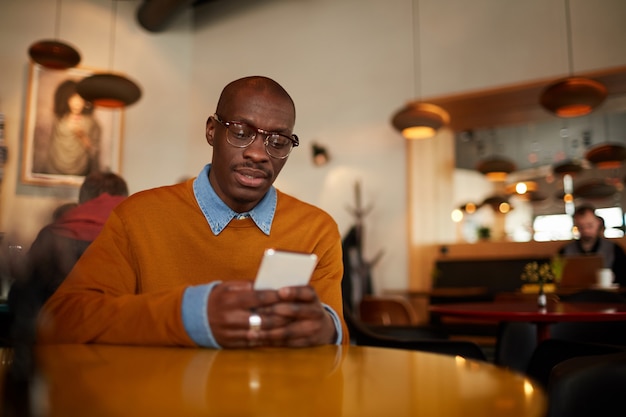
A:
[101,380]
[529,311]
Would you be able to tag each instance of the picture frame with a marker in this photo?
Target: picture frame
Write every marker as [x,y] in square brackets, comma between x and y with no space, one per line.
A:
[60,145]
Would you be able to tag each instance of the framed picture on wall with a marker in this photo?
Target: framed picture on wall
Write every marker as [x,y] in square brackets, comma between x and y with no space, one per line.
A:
[66,137]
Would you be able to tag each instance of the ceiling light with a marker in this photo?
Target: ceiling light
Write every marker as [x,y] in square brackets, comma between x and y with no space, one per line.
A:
[469,208]
[606,155]
[109,89]
[496,168]
[594,189]
[52,53]
[419,120]
[498,203]
[456,215]
[567,167]
[521,187]
[572,96]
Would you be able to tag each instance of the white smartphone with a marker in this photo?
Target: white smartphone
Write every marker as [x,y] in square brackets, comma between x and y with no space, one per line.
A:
[284,269]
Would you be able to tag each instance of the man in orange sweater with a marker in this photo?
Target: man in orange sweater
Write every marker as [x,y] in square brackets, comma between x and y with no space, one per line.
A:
[175,265]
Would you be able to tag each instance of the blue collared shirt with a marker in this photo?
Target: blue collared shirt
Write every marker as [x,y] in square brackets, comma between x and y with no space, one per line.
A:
[218,215]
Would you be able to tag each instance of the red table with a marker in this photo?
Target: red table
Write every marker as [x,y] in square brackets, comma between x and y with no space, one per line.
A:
[554,312]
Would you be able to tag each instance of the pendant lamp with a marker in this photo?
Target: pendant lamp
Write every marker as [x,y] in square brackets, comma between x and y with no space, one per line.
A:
[606,155]
[568,166]
[52,53]
[419,120]
[572,96]
[496,168]
[499,203]
[594,189]
[109,89]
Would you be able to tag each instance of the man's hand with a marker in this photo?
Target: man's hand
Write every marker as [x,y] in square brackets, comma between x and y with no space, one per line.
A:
[291,316]
[297,320]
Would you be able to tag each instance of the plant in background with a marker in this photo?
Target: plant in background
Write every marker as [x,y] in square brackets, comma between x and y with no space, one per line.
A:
[484,232]
[538,273]
[541,274]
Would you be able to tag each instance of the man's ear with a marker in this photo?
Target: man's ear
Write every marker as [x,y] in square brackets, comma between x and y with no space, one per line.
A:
[210,130]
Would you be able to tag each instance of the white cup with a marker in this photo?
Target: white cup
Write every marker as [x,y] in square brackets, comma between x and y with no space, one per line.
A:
[604,277]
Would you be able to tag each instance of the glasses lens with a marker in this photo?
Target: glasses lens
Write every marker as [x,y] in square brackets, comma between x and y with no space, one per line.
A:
[278,146]
[240,135]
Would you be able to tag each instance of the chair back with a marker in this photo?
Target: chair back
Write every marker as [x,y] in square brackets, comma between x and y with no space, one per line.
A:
[362,335]
[387,311]
[588,386]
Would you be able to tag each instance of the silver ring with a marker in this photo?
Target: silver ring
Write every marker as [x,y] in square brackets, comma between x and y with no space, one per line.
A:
[255,322]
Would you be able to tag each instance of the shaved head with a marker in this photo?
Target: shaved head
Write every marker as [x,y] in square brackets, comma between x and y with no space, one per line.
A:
[251,85]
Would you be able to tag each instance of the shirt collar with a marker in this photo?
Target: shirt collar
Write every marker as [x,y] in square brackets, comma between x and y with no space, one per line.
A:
[218,214]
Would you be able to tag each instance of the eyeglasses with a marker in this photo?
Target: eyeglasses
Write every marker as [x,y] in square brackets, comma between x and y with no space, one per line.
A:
[241,135]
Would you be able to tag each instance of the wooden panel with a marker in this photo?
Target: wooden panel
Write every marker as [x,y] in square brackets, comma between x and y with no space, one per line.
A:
[517,104]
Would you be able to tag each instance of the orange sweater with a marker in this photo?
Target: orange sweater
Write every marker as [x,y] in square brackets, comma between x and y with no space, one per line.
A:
[128,286]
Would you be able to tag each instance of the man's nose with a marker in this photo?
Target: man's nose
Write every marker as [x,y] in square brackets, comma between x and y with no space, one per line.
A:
[257,148]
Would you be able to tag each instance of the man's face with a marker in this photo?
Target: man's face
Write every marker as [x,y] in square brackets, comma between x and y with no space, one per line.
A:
[588,226]
[242,176]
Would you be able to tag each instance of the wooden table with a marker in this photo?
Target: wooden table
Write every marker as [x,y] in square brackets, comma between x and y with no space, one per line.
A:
[104,380]
[529,311]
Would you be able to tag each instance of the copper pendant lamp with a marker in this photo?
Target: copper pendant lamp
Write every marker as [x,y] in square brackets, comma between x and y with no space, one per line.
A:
[496,168]
[52,53]
[109,89]
[567,167]
[498,203]
[419,120]
[594,189]
[606,155]
[572,96]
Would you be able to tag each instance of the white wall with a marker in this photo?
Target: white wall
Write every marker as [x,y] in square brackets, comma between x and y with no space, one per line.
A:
[347,63]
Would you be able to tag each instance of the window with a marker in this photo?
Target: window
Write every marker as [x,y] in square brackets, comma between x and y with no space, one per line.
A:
[559,226]
[613,221]
[553,227]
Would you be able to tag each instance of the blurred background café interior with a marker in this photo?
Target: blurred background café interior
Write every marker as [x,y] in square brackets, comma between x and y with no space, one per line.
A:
[358,72]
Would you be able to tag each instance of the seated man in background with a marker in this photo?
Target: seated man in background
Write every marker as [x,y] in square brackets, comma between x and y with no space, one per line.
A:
[58,245]
[591,241]
[175,265]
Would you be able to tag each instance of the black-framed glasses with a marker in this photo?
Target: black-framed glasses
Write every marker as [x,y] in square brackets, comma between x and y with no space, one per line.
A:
[241,135]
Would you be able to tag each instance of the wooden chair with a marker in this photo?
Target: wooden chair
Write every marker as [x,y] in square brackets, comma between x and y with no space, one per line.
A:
[421,339]
[387,311]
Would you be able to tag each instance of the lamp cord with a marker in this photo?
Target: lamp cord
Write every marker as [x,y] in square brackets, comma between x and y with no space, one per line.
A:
[568,28]
[57,20]
[416,49]
[113,25]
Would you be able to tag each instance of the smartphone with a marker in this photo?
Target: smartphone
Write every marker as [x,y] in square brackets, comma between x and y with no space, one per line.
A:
[284,269]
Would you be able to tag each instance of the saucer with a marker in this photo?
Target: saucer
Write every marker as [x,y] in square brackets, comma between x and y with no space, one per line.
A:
[605,287]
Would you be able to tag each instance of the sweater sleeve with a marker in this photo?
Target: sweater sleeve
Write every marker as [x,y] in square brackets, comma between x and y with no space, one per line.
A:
[101,300]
